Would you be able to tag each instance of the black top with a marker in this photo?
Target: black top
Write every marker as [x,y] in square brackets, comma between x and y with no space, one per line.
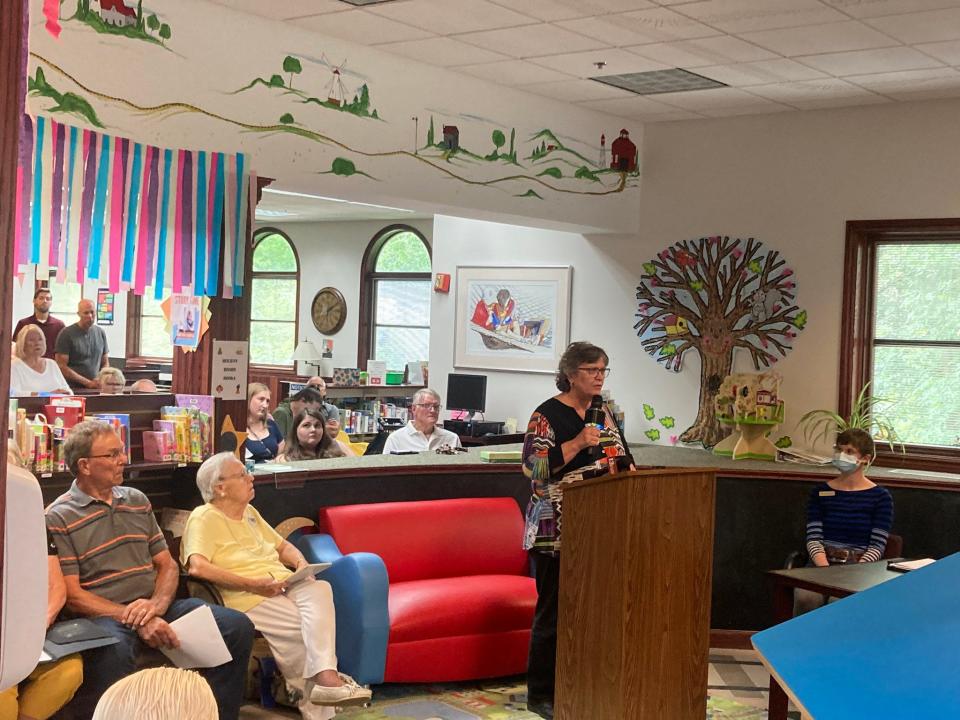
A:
[266,449]
[567,424]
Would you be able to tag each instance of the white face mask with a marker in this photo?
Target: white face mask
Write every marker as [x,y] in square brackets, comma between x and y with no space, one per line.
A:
[845,463]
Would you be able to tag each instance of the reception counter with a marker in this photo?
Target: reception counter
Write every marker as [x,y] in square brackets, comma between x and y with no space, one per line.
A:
[760,506]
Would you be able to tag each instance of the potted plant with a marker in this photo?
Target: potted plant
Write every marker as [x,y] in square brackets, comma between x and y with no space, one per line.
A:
[867,414]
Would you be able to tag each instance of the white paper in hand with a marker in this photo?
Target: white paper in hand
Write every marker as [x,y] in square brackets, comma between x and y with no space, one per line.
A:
[201,644]
[307,571]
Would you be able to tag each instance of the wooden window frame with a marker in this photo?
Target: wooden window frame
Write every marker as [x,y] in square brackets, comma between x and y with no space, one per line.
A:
[280,371]
[857,324]
[134,358]
[368,284]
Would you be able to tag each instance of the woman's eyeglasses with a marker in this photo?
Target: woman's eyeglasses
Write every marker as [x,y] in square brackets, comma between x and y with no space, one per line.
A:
[595,371]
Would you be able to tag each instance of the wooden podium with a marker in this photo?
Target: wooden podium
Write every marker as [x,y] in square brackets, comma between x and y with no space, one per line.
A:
[634,615]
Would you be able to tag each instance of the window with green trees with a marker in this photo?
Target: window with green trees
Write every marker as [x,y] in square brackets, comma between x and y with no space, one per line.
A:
[398,286]
[274,295]
[154,335]
[65,297]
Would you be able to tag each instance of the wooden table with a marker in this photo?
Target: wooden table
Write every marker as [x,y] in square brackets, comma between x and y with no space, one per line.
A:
[834,581]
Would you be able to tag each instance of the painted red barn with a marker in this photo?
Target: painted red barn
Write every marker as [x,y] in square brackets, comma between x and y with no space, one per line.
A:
[115,12]
[623,153]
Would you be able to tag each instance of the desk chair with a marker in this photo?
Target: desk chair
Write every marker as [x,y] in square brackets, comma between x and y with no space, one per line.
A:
[799,558]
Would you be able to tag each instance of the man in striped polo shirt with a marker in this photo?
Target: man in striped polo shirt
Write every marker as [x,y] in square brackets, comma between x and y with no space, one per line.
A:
[120,574]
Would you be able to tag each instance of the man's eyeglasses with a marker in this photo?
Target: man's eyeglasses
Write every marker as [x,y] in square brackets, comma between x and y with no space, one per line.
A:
[429,406]
[113,454]
[595,371]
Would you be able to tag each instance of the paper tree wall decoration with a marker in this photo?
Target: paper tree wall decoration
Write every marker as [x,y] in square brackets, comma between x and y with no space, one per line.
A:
[717,295]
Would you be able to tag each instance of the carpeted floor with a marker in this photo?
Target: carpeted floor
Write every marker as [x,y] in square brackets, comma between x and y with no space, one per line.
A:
[737,688]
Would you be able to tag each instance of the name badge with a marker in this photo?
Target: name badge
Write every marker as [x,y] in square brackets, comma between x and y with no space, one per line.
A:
[827,493]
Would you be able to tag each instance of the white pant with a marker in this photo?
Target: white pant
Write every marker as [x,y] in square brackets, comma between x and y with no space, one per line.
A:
[300,628]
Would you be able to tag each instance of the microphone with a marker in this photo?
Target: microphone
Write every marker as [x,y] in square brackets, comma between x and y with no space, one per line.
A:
[596,417]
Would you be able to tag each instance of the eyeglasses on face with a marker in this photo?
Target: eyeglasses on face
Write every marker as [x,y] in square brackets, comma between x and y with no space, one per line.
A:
[244,474]
[595,371]
[435,407]
[113,454]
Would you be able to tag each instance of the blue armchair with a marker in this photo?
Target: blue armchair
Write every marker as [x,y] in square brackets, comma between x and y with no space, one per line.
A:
[360,586]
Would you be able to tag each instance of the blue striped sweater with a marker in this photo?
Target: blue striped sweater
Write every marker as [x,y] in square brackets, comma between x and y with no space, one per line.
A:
[855,519]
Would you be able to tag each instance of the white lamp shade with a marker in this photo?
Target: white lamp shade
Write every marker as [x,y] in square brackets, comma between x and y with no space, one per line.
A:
[307,352]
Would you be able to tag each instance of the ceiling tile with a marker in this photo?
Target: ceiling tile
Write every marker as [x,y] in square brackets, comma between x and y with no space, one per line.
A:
[877,8]
[577,90]
[921,27]
[802,94]
[860,62]
[910,81]
[835,37]
[531,41]
[760,73]
[629,107]
[552,10]
[948,52]
[704,51]
[663,25]
[362,27]
[285,10]
[514,72]
[583,64]
[442,52]
[738,16]
[446,17]
[698,100]
[766,108]
[609,28]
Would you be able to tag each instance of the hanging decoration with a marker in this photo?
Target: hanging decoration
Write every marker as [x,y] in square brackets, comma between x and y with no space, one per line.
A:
[716,295]
[97,207]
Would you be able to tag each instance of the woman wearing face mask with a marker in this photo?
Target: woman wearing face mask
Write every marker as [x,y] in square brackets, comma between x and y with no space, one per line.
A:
[848,517]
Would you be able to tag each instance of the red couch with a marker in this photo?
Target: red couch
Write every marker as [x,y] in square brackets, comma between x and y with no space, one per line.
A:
[460,597]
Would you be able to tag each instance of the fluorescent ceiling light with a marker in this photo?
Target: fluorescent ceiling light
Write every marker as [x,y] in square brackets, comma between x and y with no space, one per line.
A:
[337,200]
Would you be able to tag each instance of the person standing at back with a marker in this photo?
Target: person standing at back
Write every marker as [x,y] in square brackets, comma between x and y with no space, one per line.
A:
[48,324]
[82,349]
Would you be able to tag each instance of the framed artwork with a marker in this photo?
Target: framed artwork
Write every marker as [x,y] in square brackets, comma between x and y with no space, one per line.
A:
[512,318]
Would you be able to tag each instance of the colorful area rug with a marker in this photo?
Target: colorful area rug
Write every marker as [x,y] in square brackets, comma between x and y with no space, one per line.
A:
[487,701]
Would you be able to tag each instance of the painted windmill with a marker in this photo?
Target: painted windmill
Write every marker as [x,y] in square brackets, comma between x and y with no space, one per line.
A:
[336,91]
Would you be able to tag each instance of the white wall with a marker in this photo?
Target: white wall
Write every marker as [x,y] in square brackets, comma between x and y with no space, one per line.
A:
[791,180]
[330,253]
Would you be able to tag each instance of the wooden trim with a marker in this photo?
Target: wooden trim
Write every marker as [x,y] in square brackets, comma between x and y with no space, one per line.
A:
[857,327]
[13,73]
[367,276]
[133,325]
[731,639]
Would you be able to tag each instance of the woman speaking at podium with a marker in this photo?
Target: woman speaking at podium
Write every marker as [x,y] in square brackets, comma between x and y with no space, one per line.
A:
[571,435]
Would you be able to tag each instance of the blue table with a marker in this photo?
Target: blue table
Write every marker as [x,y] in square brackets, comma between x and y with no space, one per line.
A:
[890,651]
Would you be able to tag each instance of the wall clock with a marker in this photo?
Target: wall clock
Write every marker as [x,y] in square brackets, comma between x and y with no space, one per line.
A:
[329,311]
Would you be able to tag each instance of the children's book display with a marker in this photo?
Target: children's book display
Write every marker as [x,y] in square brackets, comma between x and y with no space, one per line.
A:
[184,432]
[750,402]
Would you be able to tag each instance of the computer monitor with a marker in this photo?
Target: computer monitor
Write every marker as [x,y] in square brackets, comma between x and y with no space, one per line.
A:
[466,392]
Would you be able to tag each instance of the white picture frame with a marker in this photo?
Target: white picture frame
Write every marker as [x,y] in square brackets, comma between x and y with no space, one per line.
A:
[525,330]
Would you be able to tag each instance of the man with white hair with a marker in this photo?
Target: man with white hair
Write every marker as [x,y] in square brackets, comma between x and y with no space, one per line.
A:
[421,432]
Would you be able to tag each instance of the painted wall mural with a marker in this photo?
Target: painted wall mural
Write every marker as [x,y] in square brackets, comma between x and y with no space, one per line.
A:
[329,112]
[716,296]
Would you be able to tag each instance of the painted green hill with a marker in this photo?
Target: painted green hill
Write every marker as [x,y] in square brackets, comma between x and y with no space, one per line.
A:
[69,102]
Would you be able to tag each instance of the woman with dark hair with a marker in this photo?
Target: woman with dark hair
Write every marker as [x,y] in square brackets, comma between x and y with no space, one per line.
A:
[308,438]
[561,445]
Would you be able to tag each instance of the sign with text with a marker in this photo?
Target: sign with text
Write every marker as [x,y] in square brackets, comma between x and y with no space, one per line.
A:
[229,375]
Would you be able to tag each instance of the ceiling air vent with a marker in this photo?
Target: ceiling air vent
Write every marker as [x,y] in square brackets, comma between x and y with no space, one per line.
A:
[659,81]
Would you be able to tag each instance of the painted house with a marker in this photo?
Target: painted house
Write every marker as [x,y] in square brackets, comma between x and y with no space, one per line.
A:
[451,137]
[623,153]
[115,12]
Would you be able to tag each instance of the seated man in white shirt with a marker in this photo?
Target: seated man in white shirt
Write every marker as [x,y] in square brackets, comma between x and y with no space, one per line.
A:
[421,432]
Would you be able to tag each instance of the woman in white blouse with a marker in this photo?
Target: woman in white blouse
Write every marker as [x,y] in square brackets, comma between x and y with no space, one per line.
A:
[31,373]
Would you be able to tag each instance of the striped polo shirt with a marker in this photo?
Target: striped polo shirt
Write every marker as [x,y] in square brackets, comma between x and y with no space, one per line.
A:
[110,546]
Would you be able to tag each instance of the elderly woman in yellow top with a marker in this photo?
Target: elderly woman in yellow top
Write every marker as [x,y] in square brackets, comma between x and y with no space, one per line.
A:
[227,543]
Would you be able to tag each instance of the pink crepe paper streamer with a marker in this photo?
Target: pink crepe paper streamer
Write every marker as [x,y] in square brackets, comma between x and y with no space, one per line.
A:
[51,11]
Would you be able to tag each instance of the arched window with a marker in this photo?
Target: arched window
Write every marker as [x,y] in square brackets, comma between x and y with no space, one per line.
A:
[395,312]
[274,299]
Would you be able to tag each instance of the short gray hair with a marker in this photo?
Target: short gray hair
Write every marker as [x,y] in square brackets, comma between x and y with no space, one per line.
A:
[422,393]
[111,372]
[80,441]
[24,333]
[209,474]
